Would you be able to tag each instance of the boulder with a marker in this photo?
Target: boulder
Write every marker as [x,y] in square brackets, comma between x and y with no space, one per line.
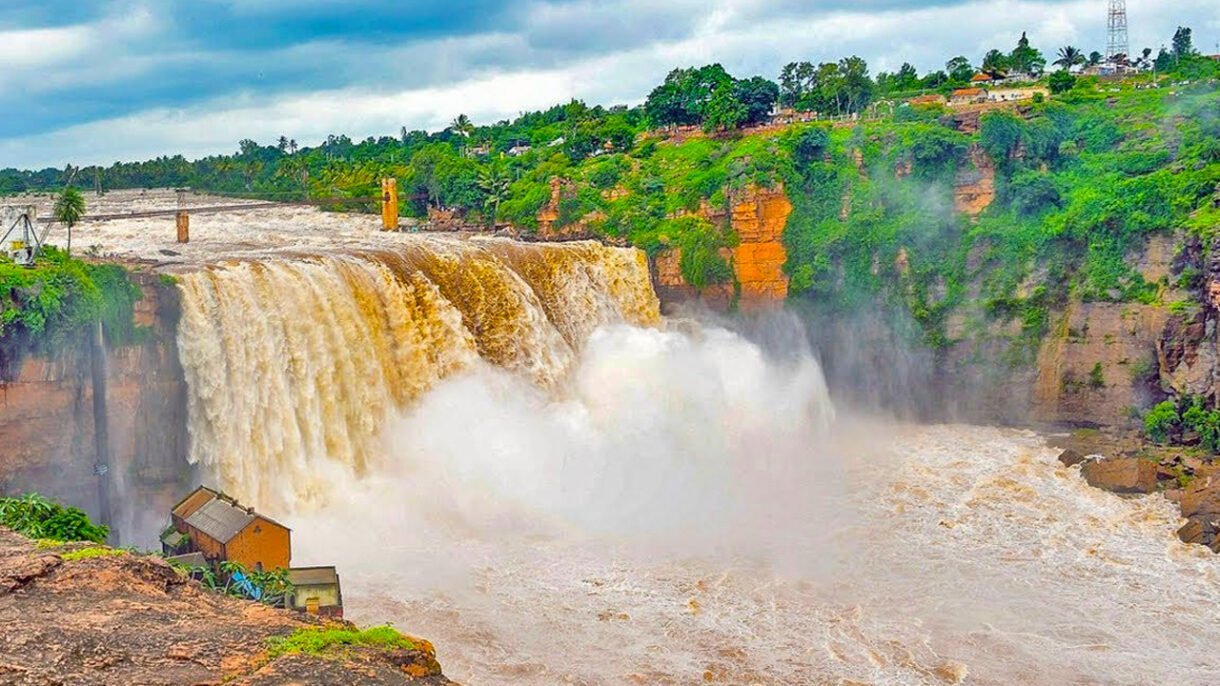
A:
[1070,458]
[1202,498]
[1121,474]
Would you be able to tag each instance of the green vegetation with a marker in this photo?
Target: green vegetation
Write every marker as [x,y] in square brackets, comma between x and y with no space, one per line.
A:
[60,299]
[326,640]
[273,586]
[34,516]
[1188,418]
[90,553]
[1082,180]
[69,209]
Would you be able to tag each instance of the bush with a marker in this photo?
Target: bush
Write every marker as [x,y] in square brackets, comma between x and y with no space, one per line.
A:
[34,516]
[1161,422]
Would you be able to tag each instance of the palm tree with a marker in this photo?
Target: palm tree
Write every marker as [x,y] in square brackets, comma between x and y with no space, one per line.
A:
[462,126]
[494,181]
[1069,56]
[69,208]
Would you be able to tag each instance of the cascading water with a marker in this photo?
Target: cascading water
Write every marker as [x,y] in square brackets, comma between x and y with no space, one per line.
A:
[294,364]
[506,450]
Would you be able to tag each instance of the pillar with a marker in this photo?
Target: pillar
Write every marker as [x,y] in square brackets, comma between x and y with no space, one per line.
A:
[184,226]
[389,204]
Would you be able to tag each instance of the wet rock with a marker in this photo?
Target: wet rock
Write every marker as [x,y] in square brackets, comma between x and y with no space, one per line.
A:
[1202,498]
[1070,458]
[1121,474]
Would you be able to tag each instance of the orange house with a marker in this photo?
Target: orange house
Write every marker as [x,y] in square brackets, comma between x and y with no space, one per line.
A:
[222,529]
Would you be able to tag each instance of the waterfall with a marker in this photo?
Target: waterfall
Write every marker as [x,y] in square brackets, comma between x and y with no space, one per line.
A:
[295,362]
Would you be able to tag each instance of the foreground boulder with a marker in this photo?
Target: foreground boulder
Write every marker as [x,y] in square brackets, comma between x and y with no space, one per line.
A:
[1121,474]
[82,614]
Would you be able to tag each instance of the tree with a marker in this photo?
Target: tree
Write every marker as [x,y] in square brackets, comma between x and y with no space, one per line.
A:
[1095,58]
[995,64]
[684,96]
[1062,81]
[69,208]
[462,126]
[960,70]
[856,85]
[934,79]
[1183,45]
[1164,61]
[796,80]
[724,110]
[1026,59]
[1069,56]
[494,182]
[758,95]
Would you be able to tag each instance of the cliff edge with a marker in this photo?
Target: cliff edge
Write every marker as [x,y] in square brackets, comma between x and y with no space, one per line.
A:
[75,614]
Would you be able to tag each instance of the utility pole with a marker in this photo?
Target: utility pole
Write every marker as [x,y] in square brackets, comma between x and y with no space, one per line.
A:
[1116,31]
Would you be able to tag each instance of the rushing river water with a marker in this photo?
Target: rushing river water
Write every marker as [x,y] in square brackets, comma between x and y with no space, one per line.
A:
[507,451]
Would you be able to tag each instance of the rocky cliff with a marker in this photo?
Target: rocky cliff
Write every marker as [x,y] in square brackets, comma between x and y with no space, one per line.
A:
[49,417]
[757,217]
[74,614]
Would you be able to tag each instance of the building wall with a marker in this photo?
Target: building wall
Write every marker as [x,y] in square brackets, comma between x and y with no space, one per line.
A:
[327,595]
[210,547]
[261,542]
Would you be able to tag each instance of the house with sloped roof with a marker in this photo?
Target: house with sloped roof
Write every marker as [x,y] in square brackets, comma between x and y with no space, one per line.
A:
[214,524]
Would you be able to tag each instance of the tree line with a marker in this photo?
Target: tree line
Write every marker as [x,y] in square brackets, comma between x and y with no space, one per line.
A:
[478,168]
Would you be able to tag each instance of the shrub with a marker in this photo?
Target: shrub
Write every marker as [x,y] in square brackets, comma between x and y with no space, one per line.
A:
[1096,379]
[1161,422]
[34,516]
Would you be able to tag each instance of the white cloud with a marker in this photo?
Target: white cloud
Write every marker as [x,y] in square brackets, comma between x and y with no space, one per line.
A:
[496,75]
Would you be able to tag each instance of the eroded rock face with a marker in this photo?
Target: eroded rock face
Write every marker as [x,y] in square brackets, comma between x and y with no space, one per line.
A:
[758,216]
[130,619]
[974,187]
[47,418]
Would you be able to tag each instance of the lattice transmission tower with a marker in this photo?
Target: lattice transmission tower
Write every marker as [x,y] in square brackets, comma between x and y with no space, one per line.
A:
[1116,31]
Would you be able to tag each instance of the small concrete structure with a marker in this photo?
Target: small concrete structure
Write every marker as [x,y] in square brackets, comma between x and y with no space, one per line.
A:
[316,591]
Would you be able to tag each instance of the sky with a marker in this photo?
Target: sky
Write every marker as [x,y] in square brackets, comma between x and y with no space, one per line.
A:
[95,81]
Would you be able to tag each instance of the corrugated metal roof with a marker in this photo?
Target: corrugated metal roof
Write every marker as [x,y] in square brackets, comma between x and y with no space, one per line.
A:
[220,519]
[313,576]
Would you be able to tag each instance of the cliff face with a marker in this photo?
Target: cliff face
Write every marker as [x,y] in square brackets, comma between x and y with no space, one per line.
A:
[758,217]
[49,419]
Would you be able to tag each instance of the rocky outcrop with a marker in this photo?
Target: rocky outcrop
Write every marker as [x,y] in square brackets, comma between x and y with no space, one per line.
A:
[974,186]
[49,421]
[757,216]
[81,615]
[1095,366]
[1121,474]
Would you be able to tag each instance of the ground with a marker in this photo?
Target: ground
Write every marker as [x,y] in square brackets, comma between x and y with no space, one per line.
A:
[122,618]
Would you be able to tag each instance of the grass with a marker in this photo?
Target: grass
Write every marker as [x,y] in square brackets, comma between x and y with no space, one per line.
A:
[92,552]
[317,641]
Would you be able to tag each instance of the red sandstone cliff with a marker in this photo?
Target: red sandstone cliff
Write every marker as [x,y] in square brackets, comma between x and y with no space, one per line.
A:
[758,216]
[47,415]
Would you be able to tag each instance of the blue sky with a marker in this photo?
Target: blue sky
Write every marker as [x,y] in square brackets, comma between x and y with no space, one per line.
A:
[102,80]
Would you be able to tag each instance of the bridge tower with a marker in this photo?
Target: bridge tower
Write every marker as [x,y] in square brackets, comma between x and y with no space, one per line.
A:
[1116,32]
